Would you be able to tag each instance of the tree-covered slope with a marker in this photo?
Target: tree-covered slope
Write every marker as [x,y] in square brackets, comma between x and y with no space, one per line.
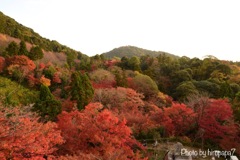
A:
[10,31]
[130,51]
[12,28]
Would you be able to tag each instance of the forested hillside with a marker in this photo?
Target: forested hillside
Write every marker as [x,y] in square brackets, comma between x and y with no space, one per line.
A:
[9,27]
[12,28]
[105,108]
[131,51]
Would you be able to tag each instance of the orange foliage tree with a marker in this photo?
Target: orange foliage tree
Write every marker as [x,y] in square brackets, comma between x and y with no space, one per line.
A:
[23,137]
[45,81]
[19,66]
[98,132]
[24,62]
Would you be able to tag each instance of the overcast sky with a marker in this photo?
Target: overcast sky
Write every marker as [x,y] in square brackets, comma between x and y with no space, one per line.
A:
[194,28]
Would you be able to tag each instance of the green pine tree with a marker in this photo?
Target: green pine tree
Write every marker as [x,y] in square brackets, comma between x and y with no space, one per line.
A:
[17,33]
[12,49]
[36,53]
[47,106]
[121,80]
[88,89]
[124,82]
[77,89]
[23,49]
[82,90]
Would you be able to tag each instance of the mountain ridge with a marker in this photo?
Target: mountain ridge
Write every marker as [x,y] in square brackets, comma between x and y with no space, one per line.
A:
[15,31]
[130,51]
[11,27]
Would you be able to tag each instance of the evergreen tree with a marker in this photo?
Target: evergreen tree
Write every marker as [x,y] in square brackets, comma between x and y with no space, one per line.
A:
[82,90]
[124,82]
[89,92]
[121,80]
[36,53]
[77,89]
[70,58]
[124,63]
[134,64]
[117,78]
[23,49]
[225,90]
[47,106]
[12,49]
[17,33]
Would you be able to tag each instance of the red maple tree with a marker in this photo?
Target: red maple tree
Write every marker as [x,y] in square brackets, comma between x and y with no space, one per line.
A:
[217,122]
[160,119]
[41,66]
[23,137]
[56,77]
[183,118]
[98,132]
[23,61]
[125,103]
[32,81]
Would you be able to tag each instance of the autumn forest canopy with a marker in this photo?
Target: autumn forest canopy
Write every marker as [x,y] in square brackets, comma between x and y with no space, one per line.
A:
[57,103]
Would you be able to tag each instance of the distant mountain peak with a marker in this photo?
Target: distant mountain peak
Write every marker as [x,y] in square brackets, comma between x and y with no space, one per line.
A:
[130,51]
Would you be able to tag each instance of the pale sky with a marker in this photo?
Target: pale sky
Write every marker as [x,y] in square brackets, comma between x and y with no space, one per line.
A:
[193,28]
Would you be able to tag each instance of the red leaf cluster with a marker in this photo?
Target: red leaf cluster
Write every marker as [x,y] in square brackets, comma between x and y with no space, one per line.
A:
[182,117]
[2,64]
[41,66]
[56,77]
[96,131]
[104,84]
[32,81]
[22,61]
[217,122]
[22,136]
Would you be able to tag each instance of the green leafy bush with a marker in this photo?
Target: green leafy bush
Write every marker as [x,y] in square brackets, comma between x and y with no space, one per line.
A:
[12,93]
